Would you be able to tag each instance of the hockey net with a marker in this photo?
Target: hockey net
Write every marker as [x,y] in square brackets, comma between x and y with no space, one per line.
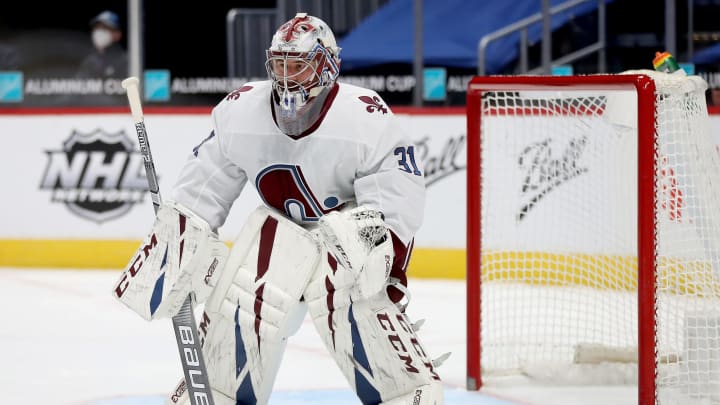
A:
[594,233]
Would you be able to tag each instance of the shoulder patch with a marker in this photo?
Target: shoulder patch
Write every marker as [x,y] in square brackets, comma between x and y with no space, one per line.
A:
[374,103]
[235,94]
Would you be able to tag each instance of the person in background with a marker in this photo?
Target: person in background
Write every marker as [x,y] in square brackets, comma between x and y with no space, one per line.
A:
[108,58]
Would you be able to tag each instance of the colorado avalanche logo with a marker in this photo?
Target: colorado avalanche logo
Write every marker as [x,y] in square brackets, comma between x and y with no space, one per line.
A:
[374,104]
[284,188]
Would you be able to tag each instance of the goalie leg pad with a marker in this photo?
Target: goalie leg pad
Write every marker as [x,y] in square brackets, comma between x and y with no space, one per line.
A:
[256,306]
[431,394]
[371,340]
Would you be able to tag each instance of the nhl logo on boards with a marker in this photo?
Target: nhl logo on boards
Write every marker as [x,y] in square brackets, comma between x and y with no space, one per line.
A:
[97,175]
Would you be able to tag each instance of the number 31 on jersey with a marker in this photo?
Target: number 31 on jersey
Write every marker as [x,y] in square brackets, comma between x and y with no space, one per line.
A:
[406,159]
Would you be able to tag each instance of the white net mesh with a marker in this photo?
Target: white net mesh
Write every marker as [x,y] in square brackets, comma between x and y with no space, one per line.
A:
[559,257]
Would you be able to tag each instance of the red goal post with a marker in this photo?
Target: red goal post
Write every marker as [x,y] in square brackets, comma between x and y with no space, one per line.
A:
[590,220]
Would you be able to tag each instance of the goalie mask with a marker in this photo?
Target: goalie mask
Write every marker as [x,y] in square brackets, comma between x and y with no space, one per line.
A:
[303,64]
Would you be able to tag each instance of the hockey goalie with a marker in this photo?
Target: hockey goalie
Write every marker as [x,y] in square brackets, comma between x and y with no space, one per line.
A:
[343,197]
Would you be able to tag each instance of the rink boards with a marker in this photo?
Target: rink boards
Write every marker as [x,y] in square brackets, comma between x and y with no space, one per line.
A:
[76,195]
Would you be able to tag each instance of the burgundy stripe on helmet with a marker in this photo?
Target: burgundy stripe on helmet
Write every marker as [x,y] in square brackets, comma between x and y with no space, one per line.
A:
[293,23]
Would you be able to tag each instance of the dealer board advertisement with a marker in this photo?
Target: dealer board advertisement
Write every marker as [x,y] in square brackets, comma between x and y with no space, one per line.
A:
[70,175]
[73,176]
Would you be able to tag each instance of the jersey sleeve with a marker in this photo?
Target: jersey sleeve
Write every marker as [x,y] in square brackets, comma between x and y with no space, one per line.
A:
[391,180]
[209,182]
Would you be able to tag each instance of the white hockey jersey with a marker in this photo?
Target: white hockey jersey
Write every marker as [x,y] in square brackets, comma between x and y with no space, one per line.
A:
[357,154]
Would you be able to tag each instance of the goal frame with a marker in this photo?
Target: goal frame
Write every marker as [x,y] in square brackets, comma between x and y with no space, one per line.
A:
[645,88]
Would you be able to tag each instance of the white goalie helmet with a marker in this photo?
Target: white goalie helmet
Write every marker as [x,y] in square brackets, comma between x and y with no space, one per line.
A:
[302,61]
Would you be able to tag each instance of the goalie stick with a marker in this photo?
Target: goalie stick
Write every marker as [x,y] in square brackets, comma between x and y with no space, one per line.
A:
[186,334]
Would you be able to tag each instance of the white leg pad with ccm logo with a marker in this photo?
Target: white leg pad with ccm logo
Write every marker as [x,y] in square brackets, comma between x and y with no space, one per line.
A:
[255,307]
[371,340]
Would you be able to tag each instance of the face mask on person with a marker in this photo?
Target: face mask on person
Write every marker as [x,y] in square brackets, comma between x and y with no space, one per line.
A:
[101,38]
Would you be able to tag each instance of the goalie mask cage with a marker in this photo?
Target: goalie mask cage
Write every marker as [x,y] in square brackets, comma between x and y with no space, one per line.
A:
[593,244]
